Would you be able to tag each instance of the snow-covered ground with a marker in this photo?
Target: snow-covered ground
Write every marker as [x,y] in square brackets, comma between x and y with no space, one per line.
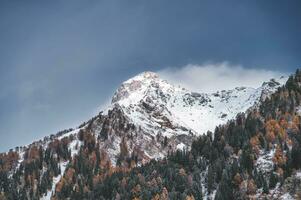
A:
[286,196]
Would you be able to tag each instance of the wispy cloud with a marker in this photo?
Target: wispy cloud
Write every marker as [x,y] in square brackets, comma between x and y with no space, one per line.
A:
[218,76]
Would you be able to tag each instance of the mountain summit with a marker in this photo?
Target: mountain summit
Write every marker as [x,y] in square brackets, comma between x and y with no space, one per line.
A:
[152,103]
[137,85]
[157,117]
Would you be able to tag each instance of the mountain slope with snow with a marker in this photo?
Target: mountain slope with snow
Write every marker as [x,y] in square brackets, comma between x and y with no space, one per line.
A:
[148,118]
[149,111]
[153,103]
[156,116]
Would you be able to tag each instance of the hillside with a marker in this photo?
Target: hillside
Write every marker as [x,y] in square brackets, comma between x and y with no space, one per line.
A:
[148,119]
[255,156]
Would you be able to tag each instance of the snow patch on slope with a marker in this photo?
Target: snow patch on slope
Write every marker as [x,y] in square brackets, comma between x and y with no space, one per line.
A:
[286,196]
[264,163]
[181,146]
[55,181]
[73,147]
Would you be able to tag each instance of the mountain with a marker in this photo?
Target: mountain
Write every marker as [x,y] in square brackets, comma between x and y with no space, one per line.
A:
[152,103]
[161,110]
[254,156]
[150,112]
[148,118]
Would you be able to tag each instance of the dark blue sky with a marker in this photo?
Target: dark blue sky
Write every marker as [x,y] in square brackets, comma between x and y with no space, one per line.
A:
[60,60]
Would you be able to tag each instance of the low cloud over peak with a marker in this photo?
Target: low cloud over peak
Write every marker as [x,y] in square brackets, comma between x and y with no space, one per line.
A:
[218,76]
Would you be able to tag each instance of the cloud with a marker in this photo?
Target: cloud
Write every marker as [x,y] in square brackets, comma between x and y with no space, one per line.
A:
[218,76]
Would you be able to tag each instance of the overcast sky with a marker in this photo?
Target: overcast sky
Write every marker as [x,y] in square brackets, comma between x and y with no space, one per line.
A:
[61,60]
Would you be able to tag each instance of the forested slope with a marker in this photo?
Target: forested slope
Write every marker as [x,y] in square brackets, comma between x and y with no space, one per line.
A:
[255,156]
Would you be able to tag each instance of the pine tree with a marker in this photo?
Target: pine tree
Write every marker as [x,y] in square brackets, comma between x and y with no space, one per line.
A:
[225,188]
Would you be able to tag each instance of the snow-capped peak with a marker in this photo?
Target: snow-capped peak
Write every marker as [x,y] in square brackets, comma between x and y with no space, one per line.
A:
[158,106]
[144,76]
[150,112]
[135,89]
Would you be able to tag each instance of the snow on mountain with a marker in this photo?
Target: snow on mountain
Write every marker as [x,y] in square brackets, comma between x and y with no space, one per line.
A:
[152,117]
[156,117]
[153,104]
